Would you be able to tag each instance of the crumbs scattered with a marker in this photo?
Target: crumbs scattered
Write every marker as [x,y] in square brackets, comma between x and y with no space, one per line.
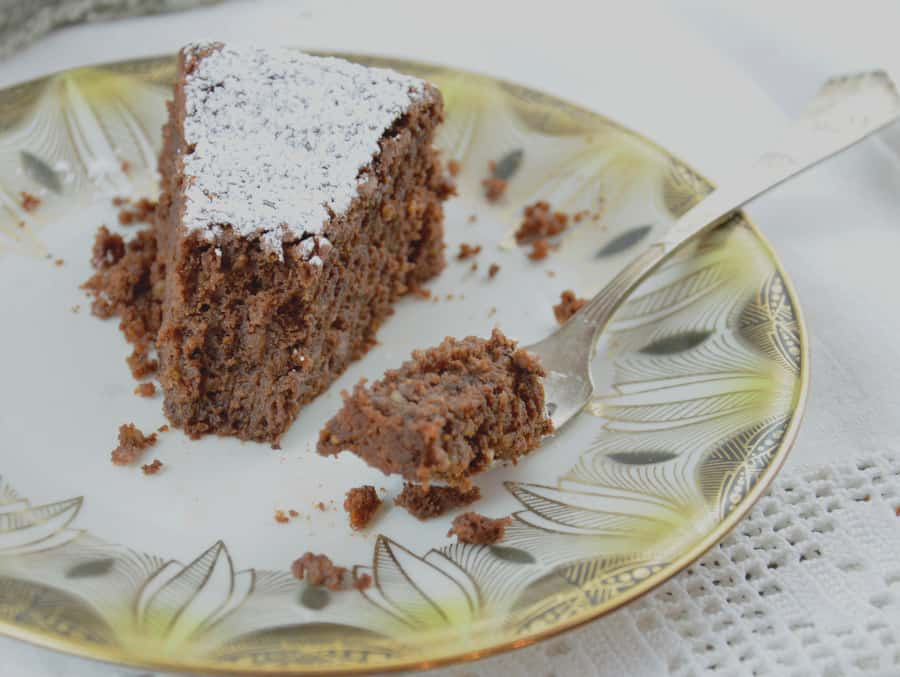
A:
[361,505]
[551,273]
[145,390]
[320,506]
[474,266]
[539,222]
[281,517]
[59,263]
[449,297]
[163,428]
[75,309]
[473,218]
[141,212]
[467,251]
[436,500]
[126,167]
[540,249]
[453,167]
[293,513]
[132,443]
[568,305]
[471,527]
[362,582]
[30,202]
[493,270]
[492,311]
[153,467]
[318,570]
[494,188]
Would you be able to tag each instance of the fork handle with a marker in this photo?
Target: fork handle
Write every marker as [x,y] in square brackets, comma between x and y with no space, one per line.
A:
[844,111]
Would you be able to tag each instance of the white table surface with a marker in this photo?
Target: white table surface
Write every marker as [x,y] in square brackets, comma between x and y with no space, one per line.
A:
[705,79]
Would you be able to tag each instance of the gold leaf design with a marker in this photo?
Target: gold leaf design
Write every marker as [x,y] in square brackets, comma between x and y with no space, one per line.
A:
[682,188]
[180,601]
[768,322]
[732,468]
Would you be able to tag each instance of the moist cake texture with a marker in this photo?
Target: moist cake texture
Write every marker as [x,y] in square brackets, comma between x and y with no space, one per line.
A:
[447,413]
[300,197]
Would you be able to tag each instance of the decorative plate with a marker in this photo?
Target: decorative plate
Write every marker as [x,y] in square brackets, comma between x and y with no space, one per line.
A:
[701,381]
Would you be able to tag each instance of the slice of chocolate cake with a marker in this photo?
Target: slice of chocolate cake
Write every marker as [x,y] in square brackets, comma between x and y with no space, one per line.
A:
[447,414]
[300,197]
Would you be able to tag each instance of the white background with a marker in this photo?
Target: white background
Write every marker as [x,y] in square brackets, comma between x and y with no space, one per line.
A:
[709,80]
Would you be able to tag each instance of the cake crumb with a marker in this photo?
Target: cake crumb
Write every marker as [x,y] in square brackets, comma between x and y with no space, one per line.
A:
[579,216]
[141,212]
[473,218]
[494,188]
[471,527]
[132,443]
[568,305]
[453,167]
[164,428]
[361,505]
[145,390]
[540,249]
[551,273]
[436,500]
[492,311]
[128,283]
[153,467]
[320,506]
[493,270]
[30,202]
[75,309]
[119,200]
[540,222]
[293,513]
[281,517]
[467,251]
[108,249]
[59,263]
[318,570]
[362,582]
[474,266]
[449,297]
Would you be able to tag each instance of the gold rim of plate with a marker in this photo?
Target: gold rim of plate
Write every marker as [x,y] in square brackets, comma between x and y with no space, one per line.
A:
[545,112]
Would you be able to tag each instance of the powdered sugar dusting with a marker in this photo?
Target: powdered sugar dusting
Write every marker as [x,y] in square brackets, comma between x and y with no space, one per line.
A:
[279,138]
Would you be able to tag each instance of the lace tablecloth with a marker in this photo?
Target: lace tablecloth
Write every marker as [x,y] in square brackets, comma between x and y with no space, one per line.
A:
[809,583]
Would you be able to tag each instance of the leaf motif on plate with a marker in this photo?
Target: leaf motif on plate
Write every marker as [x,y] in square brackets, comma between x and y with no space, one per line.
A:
[768,322]
[625,240]
[40,171]
[590,511]
[604,578]
[682,188]
[507,166]
[730,470]
[24,529]
[676,343]
[420,592]
[179,602]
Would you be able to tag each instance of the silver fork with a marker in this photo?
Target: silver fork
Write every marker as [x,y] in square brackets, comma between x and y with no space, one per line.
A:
[844,111]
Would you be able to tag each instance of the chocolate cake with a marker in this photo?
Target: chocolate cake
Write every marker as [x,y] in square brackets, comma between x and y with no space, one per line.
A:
[435,500]
[447,413]
[300,197]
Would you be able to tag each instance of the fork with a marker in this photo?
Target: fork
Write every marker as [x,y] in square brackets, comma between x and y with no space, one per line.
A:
[844,111]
